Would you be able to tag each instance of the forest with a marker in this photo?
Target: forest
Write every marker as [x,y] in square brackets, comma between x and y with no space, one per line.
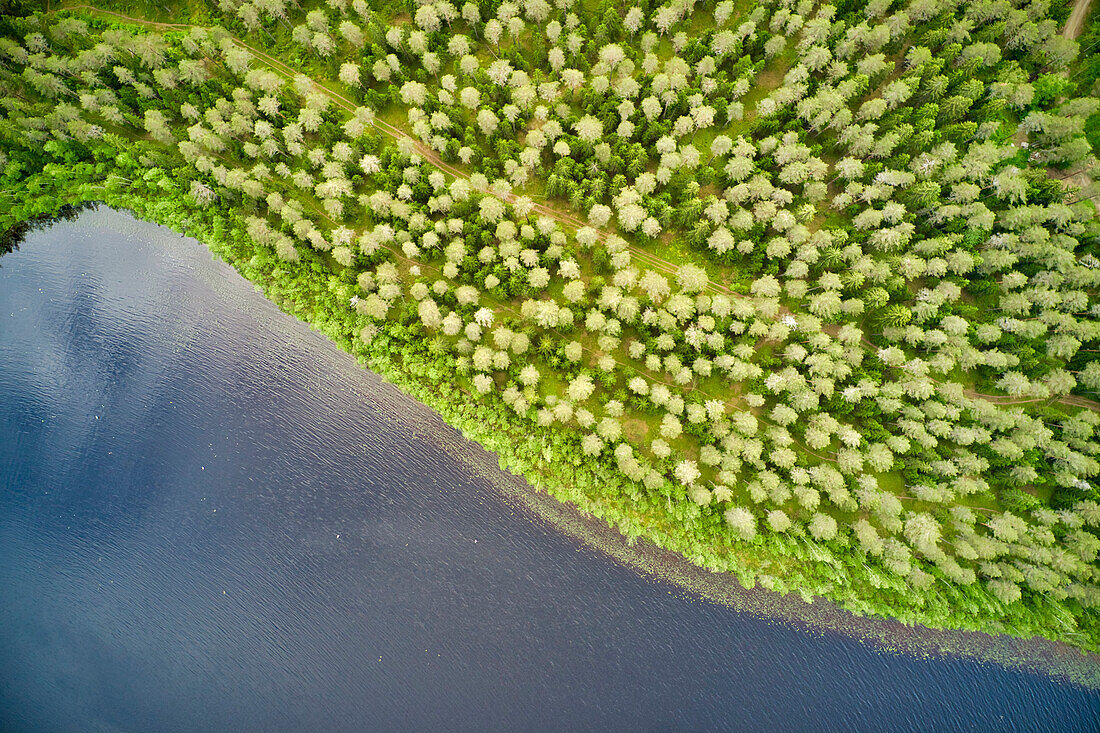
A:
[803,291]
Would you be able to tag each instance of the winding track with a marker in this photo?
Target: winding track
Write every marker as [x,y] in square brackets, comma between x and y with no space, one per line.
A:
[430,155]
[1072,30]
[434,159]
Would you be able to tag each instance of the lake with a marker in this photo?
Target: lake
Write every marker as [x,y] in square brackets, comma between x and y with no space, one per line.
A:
[213,519]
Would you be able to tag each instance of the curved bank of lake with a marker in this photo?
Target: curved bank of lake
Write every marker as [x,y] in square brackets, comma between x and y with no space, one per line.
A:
[211,518]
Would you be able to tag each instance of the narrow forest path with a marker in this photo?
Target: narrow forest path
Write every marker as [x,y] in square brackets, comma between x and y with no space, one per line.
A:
[431,156]
[1076,21]
[562,217]
[128,18]
[568,219]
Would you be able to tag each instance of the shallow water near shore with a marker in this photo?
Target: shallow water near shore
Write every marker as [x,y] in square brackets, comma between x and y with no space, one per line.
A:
[213,519]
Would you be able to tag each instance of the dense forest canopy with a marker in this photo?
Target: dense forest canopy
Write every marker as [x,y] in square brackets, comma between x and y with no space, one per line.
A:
[805,291]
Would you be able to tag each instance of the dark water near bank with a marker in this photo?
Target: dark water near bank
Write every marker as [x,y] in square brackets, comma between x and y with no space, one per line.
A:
[211,519]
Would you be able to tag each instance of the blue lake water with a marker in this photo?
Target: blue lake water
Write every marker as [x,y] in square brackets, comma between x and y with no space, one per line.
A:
[212,519]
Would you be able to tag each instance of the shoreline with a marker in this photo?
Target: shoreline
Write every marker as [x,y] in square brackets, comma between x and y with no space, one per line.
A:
[1034,655]
[589,524]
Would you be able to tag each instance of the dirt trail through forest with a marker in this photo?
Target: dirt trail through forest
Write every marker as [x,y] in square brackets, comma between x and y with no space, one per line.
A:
[643,256]
[139,21]
[1073,25]
[434,159]
[1076,20]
